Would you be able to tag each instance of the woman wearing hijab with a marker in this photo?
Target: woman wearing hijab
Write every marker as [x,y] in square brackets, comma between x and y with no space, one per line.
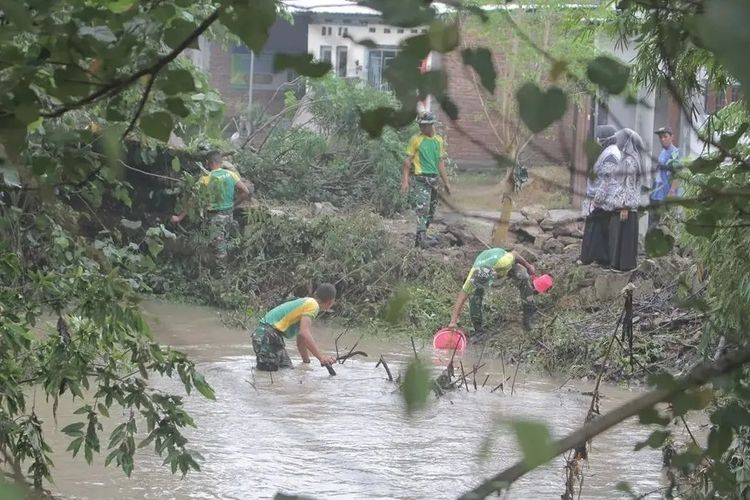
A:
[595,246]
[619,195]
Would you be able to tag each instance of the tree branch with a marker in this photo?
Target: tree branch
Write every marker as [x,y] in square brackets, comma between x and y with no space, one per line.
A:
[119,85]
[697,377]
[141,105]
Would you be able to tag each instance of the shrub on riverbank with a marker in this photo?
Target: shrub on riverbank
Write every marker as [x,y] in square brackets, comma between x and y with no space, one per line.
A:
[282,255]
[329,157]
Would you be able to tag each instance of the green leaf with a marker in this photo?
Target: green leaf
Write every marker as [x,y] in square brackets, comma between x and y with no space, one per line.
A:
[625,487]
[75,445]
[416,386]
[101,34]
[177,81]
[200,383]
[394,309]
[534,440]
[303,64]
[119,6]
[366,42]
[719,440]
[662,380]
[250,21]
[450,108]
[71,82]
[481,60]
[539,109]
[702,225]
[114,453]
[443,36]
[609,74]
[12,136]
[178,31]
[73,430]
[658,243]
[651,416]
[157,125]
[373,121]
[655,440]
[557,70]
[704,165]
[177,106]
[26,107]
[732,414]
[729,141]
[17,13]
[175,163]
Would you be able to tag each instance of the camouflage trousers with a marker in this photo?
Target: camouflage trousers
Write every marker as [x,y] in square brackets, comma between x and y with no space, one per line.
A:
[270,350]
[220,225]
[424,199]
[482,279]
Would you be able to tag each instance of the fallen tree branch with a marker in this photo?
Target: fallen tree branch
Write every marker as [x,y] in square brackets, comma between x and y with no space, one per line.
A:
[387,370]
[698,376]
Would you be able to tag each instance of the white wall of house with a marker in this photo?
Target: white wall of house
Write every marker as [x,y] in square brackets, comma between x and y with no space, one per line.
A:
[331,31]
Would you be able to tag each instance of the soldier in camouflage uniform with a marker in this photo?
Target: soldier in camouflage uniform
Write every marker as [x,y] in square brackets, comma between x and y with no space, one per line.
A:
[291,320]
[425,161]
[487,266]
[225,191]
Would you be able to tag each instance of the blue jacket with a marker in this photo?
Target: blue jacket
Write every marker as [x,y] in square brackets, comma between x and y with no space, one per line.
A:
[669,162]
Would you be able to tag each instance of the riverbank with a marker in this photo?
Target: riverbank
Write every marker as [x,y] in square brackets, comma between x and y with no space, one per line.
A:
[389,288]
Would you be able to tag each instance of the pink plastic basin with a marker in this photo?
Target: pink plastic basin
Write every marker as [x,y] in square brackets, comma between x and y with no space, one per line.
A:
[449,338]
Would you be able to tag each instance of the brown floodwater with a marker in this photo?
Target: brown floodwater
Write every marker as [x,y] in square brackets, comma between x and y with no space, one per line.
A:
[304,432]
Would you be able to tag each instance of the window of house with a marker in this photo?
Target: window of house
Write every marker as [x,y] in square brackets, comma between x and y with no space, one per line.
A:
[330,30]
[326,53]
[386,30]
[372,30]
[341,61]
[399,31]
[346,31]
[415,30]
[378,61]
[323,31]
[239,68]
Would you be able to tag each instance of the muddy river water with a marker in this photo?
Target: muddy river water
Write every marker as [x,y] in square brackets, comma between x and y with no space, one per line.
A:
[304,432]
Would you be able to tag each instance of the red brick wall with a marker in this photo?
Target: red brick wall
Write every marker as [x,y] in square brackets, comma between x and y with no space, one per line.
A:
[553,146]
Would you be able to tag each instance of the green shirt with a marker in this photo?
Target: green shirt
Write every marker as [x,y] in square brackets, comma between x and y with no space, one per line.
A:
[487,265]
[425,153]
[221,184]
[286,317]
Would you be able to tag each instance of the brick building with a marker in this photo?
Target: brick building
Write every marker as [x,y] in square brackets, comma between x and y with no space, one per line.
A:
[327,31]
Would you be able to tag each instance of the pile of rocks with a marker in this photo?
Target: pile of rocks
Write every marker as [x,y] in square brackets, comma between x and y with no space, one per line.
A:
[551,231]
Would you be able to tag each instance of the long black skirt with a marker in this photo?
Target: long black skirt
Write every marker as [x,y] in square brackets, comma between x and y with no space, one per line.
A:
[623,241]
[595,245]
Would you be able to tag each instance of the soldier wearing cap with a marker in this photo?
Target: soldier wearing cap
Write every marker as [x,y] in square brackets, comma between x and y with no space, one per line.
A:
[668,164]
[425,161]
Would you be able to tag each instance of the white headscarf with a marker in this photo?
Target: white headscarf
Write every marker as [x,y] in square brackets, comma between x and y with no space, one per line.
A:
[631,144]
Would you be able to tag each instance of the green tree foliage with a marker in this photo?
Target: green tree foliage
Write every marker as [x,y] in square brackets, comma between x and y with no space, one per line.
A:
[316,161]
[79,76]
